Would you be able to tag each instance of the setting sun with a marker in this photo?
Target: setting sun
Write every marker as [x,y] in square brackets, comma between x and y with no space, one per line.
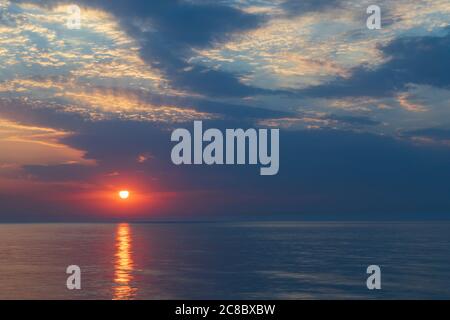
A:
[124,194]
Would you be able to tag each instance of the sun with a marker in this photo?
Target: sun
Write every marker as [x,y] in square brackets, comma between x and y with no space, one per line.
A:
[124,194]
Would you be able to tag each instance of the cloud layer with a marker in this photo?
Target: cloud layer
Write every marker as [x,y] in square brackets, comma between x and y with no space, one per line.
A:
[364,114]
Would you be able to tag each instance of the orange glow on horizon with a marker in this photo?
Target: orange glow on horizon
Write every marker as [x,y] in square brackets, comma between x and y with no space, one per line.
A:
[105,201]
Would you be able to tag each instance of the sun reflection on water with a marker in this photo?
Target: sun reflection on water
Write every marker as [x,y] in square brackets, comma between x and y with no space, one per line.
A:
[123,264]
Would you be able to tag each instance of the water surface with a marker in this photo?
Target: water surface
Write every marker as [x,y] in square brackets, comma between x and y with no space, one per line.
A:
[270,260]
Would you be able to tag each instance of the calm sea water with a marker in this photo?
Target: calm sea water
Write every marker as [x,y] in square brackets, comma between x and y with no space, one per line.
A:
[273,260]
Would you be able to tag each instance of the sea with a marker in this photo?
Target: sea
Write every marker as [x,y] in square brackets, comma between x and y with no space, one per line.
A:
[225,260]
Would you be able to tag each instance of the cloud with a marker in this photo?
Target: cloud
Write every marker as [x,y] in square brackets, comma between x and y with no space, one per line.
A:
[300,7]
[318,120]
[160,71]
[26,144]
[429,135]
[409,60]
[168,30]
[381,175]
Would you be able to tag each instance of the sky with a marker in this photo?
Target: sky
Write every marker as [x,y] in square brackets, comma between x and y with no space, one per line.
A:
[364,115]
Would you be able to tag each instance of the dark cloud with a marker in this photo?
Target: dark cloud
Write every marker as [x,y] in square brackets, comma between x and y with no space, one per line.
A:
[410,60]
[364,174]
[225,109]
[169,30]
[40,114]
[61,172]
[436,134]
[300,7]
[322,172]
[354,120]
[238,111]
